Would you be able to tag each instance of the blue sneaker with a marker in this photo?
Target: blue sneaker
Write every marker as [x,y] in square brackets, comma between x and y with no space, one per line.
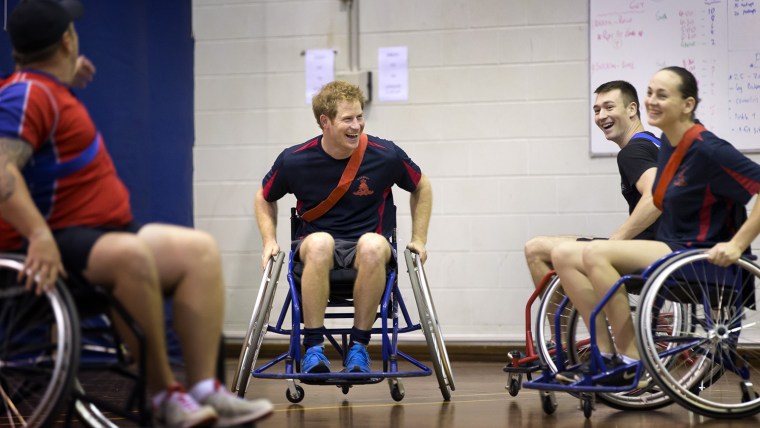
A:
[314,360]
[357,360]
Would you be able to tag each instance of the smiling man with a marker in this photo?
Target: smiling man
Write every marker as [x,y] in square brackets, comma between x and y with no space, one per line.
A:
[342,181]
[616,113]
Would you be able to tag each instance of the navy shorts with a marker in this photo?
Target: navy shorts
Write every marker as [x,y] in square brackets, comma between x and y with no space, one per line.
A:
[76,243]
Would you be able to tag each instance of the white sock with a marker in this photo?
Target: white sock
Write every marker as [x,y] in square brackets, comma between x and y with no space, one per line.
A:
[203,389]
[607,355]
[628,360]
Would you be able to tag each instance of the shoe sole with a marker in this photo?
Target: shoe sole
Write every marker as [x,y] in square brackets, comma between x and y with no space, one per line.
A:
[208,421]
[244,419]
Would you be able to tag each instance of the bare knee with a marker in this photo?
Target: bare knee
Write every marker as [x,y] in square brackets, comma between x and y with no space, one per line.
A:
[566,256]
[122,258]
[201,248]
[372,250]
[317,249]
[594,257]
[536,250]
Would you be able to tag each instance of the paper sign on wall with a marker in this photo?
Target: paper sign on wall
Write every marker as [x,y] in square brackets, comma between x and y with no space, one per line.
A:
[320,70]
[393,74]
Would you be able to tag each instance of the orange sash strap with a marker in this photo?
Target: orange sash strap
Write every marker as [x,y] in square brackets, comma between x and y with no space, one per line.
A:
[674,162]
[345,182]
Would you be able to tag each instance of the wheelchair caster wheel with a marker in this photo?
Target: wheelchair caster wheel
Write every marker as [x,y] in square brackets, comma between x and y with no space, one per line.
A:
[397,389]
[587,406]
[514,386]
[297,397]
[748,393]
[345,389]
[548,402]
[397,393]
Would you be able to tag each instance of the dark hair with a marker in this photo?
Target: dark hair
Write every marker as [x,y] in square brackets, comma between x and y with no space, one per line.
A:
[23,59]
[688,86]
[627,91]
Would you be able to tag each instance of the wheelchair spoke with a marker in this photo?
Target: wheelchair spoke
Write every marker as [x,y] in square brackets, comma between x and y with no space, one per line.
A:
[701,365]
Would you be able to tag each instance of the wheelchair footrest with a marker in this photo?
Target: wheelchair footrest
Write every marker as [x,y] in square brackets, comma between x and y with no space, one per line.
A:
[330,378]
[548,382]
[523,369]
[520,363]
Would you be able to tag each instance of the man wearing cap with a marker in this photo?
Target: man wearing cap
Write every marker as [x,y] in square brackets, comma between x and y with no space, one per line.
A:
[62,203]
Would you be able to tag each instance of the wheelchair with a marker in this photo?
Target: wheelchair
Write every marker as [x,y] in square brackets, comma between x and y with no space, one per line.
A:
[697,334]
[525,364]
[560,332]
[52,344]
[393,317]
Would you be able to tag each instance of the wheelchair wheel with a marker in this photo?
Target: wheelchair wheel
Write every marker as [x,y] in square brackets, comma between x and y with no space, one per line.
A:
[575,344]
[39,349]
[710,366]
[88,413]
[258,325]
[546,340]
[430,326]
[670,321]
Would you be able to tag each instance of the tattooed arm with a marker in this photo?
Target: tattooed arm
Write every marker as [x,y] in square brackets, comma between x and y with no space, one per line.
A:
[43,261]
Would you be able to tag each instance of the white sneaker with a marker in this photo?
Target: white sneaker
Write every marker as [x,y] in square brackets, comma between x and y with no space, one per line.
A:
[180,410]
[233,410]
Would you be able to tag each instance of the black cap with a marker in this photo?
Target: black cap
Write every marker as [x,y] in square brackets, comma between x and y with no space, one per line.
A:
[36,24]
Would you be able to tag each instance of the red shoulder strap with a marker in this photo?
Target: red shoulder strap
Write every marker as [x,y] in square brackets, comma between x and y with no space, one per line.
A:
[345,182]
[674,162]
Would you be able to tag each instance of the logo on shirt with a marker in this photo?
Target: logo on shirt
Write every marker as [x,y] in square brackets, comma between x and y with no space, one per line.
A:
[679,180]
[363,189]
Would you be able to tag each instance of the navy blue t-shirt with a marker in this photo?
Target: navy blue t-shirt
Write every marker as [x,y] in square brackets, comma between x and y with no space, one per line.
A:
[705,201]
[639,155]
[309,173]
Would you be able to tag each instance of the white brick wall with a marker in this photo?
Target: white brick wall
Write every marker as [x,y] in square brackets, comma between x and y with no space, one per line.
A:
[498,118]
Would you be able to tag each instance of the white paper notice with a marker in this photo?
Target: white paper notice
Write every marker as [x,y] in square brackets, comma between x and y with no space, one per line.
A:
[393,78]
[320,70]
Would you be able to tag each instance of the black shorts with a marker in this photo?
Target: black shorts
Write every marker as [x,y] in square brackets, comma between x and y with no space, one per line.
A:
[343,275]
[76,243]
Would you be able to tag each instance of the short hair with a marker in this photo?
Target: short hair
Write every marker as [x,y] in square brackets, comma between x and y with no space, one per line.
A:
[26,58]
[627,92]
[326,101]
[688,86]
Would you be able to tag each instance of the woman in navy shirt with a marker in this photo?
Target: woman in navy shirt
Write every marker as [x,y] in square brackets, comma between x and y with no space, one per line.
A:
[706,183]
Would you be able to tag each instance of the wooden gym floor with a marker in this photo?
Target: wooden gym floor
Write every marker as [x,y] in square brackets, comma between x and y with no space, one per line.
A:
[480,400]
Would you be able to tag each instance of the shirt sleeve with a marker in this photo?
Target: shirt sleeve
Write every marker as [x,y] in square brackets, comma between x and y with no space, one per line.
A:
[26,112]
[737,177]
[275,184]
[635,159]
[409,172]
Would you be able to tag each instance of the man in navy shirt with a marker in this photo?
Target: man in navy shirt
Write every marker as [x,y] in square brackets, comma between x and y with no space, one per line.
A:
[342,229]
[617,114]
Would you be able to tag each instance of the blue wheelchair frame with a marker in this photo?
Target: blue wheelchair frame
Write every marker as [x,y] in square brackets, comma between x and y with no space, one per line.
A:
[704,294]
[598,371]
[394,319]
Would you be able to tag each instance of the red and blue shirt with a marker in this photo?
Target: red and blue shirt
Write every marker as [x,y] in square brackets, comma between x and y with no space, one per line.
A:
[309,173]
[705,201]
[70,175]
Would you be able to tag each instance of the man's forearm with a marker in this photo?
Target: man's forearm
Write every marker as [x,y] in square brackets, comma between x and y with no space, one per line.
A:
[421,204]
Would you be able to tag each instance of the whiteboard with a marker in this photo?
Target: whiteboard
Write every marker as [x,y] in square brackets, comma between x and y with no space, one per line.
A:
[717,40]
